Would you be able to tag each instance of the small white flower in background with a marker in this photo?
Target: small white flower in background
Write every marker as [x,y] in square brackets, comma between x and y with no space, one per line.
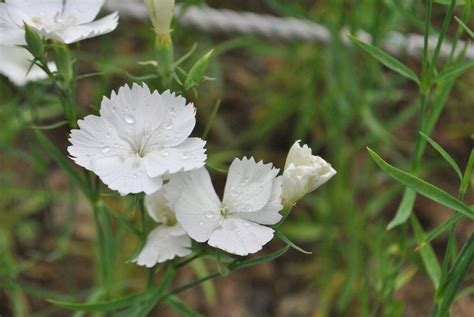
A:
[303,173]
[166,241]
[161,14]
[251,200]
[67,21]
[139,138]
[15,63]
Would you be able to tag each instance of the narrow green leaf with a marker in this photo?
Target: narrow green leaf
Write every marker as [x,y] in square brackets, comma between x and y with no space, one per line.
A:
[452,283]
[175,303]
[404,209]
[386,59]
[156,295]
[448,2]
[424,188]
[448,158]
[454,72]
[104,306]
[427,254]
[63,162]
[50,126]
[290,243]
[440,229]
[259,260]
[467,175]
[465,27]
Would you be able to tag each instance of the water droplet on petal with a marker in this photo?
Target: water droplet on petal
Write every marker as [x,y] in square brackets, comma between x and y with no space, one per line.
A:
[210,216]
[105,150]
[129,119]
[201,223]
[185,156]
[164,153]
[169,126]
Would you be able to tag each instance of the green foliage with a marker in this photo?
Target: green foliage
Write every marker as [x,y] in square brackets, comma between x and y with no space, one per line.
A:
[265,95]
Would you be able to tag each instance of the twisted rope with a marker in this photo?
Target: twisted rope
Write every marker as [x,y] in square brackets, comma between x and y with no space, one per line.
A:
[289,29]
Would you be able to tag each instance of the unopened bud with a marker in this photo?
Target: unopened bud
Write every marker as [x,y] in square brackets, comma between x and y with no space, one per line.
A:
[197,72]
[161,14]
[34,42]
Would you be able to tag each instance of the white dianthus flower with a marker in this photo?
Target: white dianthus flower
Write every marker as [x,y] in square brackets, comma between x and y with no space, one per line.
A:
[166,241]
[236,225]
[66,21]
[139,138]
[15,64]
[303,173]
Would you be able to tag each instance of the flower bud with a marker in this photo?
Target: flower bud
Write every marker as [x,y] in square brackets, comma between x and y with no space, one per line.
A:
[34,42]
[303,173]
[197,72]
[161,14]
[63,60]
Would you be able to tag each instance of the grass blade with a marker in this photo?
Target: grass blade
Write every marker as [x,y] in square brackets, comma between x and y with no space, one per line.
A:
[259,260]
[290,243]
[465,27]
[427,254]
[448,158]
[63,162]
[467,175]
[386,59]
[452,283]
[175,303]
[454,72]
[424,188]
[404,210]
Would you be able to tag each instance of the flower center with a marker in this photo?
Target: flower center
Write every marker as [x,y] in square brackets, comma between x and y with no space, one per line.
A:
[169,220]
[224,211]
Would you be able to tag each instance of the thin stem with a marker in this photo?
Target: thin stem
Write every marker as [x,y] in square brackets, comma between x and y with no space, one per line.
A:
[211,118]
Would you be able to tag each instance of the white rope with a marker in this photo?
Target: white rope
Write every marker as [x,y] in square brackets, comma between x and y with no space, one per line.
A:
[290,29]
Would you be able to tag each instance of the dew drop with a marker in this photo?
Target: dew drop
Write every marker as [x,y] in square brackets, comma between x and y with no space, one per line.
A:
[168,126]
[105,150]
[129,119]
[164,153]
[185,156]
[210,216]
[201,223]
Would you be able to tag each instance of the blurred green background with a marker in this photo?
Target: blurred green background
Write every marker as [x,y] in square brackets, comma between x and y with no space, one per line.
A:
[334,97]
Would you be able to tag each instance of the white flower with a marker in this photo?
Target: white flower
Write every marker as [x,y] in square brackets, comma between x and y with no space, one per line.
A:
[161,14]
[166,241]
[138,138]
[251,199]
[303,173]
[15,63]
[67,21]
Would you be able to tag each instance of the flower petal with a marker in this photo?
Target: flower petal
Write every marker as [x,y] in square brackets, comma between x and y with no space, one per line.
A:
[197,206]
[11,25]
[34,8]
[249,185]
[186,156]
[84,10]
[162,245]
[156,205]
[96,138]
[269,214]
[79,32]
[180,120]
[16,65]
[126,175]
[240,236]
